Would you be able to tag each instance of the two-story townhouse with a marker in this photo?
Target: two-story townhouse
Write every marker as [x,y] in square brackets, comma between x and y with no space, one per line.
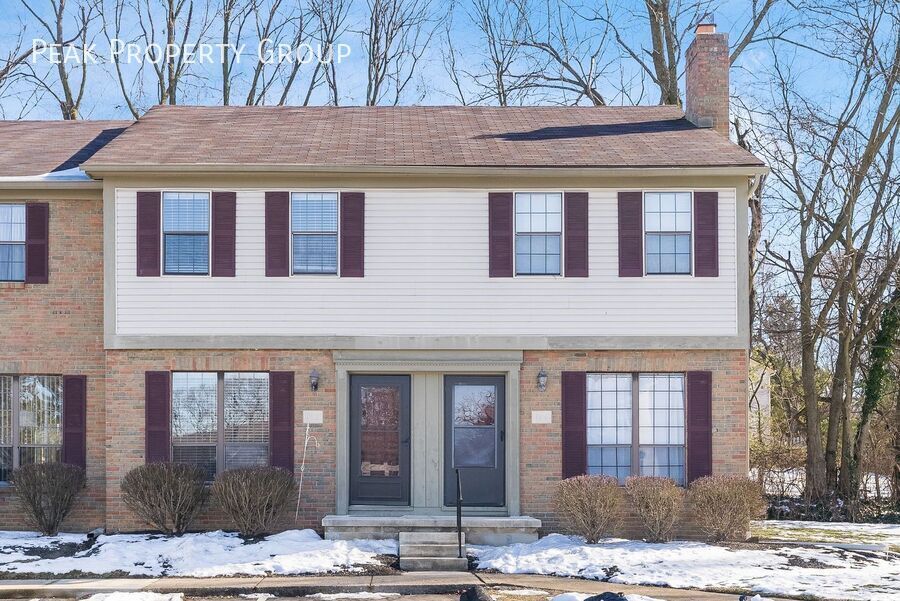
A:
[383,298]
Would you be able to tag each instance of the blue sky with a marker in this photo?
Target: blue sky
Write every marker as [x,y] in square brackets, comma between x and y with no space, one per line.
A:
[431,85]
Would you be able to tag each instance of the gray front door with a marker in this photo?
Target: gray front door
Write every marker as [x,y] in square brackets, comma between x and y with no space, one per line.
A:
[474,440]
[379,440]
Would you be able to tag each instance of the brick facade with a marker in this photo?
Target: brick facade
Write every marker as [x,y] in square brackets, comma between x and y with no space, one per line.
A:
[57,328]
[125,423]
[540,444]
[706,80]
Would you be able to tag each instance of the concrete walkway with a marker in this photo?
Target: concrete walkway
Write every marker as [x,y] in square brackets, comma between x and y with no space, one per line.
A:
[419,583]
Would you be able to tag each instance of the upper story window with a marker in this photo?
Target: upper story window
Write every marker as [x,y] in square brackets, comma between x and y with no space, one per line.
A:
[655,431]
[186,233]
[667,222]
[538,233]
[220,420]
[12,243]
[314,227]
[30,421]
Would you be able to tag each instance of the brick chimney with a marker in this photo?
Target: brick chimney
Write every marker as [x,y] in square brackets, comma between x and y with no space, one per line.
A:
[706,96]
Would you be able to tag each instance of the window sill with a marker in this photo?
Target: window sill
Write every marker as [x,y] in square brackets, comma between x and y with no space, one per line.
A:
[11,285]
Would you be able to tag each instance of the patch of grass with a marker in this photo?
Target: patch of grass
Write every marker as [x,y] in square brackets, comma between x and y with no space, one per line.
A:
[819,535]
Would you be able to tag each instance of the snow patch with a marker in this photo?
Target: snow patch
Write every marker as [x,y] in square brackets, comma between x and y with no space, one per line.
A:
[582,597]
[360,595]
[523,592]
[138,596]
[205,554]
[74,174]
[791,571]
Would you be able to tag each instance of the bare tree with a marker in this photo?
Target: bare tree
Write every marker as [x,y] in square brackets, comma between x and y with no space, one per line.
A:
[330,22]
[182,23]
[70,81]
[396,35]
[833,181]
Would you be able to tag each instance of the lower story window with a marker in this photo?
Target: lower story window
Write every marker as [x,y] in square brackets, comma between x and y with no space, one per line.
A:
[30,421]
[635,425]
[220,420]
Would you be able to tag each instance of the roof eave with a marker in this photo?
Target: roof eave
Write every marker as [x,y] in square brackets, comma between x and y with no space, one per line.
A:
[99,170]
[30,184]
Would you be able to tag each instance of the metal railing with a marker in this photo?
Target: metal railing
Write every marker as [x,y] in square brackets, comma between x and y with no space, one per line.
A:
[459,499]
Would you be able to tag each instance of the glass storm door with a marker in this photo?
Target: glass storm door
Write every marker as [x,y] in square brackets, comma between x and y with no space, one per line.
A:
[379,440]
[474,440]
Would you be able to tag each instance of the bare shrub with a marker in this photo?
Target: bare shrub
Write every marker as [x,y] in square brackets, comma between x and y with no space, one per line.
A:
[253,498]
[167,495]
[590,505]
[657,502]
[725,504]
[46,493]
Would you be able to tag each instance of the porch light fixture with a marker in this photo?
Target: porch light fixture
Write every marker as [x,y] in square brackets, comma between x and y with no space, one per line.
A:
[314,380]
[542,380]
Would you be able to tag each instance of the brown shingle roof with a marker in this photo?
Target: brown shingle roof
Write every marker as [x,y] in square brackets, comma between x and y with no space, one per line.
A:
[656,136]
[39,147]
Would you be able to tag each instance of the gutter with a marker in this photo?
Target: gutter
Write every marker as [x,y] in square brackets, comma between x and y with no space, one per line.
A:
[99,170]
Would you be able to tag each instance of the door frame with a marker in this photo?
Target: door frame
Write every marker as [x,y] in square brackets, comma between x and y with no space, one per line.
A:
[427,369]
[404,382]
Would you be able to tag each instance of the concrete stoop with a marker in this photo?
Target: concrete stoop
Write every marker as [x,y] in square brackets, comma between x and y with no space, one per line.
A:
[479,530]
[432,551]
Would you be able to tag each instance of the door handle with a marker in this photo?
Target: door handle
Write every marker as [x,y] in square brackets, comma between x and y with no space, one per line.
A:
[502,435]
[405,441]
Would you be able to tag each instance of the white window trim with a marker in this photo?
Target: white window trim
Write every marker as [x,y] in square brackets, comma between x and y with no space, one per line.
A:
[644,235]
[635,446]
[337,271]
[23,242]
[162,233]
[562,236]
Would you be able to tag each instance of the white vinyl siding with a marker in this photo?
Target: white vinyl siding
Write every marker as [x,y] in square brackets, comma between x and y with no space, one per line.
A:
[426,261]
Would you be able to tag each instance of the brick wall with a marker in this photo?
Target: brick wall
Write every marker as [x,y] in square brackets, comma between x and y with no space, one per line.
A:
[706,80]
[57,328]
[125,423]
[540,444]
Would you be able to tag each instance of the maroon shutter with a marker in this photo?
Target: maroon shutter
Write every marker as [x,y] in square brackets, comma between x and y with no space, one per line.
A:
[278,234]
[353,234]
[281,419]
[699,424]
[501,234]
[157,416]
[148,216]
[706,234]
[631,235]
[574,423]
[37,243]
[576,214]
[74,449]
[224,226]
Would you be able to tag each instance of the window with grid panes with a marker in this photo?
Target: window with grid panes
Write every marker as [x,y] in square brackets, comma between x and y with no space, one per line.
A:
[220,420]
[538,233]
[667,225]
[30,421]
[625,440]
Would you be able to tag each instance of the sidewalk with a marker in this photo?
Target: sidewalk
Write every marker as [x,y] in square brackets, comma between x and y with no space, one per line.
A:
[419,583]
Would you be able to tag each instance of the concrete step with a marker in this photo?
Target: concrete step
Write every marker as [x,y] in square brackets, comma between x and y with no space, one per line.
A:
[435,537]
[434,564]
[430,550]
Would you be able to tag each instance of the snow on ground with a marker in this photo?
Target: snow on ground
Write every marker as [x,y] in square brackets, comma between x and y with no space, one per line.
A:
[203,555]
[137,596]
[820,572]
[13,544]
[828,532]
[361,595]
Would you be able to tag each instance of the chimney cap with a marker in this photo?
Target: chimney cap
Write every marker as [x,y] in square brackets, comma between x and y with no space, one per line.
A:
[705,27]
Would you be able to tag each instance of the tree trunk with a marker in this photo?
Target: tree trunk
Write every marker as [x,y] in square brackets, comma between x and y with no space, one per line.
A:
[815,456]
